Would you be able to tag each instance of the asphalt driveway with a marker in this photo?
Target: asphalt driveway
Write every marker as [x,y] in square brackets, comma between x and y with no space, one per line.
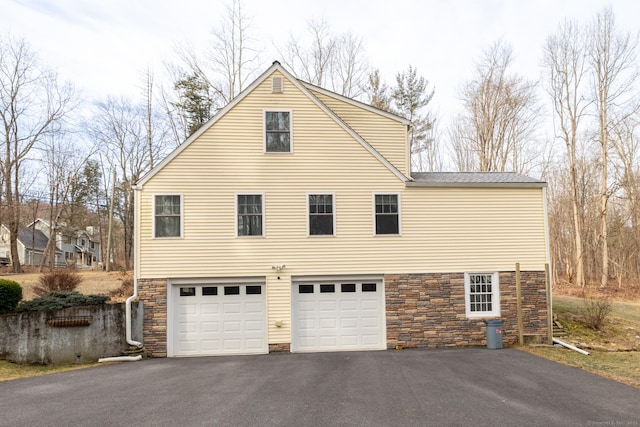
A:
[473,386]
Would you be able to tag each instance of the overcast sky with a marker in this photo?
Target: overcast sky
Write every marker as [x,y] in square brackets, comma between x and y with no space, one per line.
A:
[103,46]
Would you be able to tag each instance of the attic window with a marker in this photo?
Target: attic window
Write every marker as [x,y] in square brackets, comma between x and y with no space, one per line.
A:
[277,125]
[277,85]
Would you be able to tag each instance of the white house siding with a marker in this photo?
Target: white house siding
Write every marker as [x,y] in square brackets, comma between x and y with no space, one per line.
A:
[387,136]
[443,230]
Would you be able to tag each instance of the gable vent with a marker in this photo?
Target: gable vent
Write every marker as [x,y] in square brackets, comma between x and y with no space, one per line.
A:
[277,85]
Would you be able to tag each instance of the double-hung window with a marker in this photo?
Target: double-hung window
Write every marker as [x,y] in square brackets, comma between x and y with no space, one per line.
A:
[250,210]
[482,294]
[167,216]
[321,215]
[387,214]
[277,126]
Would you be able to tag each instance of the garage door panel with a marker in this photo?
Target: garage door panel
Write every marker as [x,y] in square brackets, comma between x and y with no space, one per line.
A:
[209,345]
[347,319]
[254,307]
[210,308]
[187,327]
[327,323]
[351,305]
[210,327]
[185,309]
[217,320]
[253,326]
[370,304]
[231,307]
[329,341]
[330,305]
[349,340]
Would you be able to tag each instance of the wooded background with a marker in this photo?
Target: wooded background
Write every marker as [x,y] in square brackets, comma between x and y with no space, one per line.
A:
[73,164]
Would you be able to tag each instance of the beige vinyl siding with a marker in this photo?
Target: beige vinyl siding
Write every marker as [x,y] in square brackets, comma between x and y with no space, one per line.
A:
[279,307]
[387,136]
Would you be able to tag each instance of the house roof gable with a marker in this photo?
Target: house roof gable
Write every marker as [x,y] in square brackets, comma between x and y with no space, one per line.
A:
[299,85]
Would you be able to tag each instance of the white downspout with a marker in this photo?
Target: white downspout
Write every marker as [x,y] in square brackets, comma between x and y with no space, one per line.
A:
[128,314]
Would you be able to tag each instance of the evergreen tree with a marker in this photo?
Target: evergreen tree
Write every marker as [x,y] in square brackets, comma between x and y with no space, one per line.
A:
[410,97]
[195,101]
[378,92]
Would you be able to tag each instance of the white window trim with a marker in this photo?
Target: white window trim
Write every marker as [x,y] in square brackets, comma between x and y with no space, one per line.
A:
[264,216]
[495,285]
[153,216]
[373,204]
[333,201]
[264,129]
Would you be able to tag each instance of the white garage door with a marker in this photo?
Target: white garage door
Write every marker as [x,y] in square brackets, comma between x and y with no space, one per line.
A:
[219,319]
[338,316]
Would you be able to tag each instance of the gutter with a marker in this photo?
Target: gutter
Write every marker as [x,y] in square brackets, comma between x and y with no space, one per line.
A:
[476,184]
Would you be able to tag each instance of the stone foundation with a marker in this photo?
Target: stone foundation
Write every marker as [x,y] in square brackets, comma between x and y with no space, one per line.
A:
[279,348]
[422,310]
[428,310]
[154,329]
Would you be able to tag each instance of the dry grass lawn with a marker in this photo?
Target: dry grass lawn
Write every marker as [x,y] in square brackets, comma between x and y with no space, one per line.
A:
[93,282]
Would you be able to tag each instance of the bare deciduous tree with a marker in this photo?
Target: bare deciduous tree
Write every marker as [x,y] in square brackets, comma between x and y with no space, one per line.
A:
[335,61]
[119,126]
[612,59]
[499,119]
[32,105]
[565,64]
[230,61]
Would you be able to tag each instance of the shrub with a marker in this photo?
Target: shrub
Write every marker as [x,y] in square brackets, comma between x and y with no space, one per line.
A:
[57,280]
[596,312]
[61,299]
[10,295]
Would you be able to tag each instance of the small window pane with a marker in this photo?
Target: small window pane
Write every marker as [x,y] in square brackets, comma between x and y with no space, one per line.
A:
[368,287]
[249,215]
[187,292]
[167,216]
[278,132]
[387,224]
[210,290]
[348,287]
[327,288]
[254,290]
[232,290]
[387,216]
[305,289]
[320,214]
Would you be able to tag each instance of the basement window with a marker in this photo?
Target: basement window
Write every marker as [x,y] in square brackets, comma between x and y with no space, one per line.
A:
[482,294]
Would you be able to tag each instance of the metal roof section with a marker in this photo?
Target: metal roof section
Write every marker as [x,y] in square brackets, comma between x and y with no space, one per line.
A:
[474,179]
[274,67]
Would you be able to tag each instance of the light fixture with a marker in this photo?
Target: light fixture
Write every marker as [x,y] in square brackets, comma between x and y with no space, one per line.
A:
[278,267]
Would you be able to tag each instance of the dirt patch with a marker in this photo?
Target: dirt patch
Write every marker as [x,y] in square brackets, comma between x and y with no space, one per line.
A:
[93,282]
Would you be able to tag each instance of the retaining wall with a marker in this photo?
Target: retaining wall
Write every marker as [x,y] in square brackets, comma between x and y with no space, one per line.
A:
[72,335]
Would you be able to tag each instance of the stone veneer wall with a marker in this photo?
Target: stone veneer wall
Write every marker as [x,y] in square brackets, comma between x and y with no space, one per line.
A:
[428,310]
[154,330]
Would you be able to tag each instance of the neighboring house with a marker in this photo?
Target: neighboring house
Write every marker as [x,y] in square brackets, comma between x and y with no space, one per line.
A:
[32,244]
[291,222]
[81,247]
